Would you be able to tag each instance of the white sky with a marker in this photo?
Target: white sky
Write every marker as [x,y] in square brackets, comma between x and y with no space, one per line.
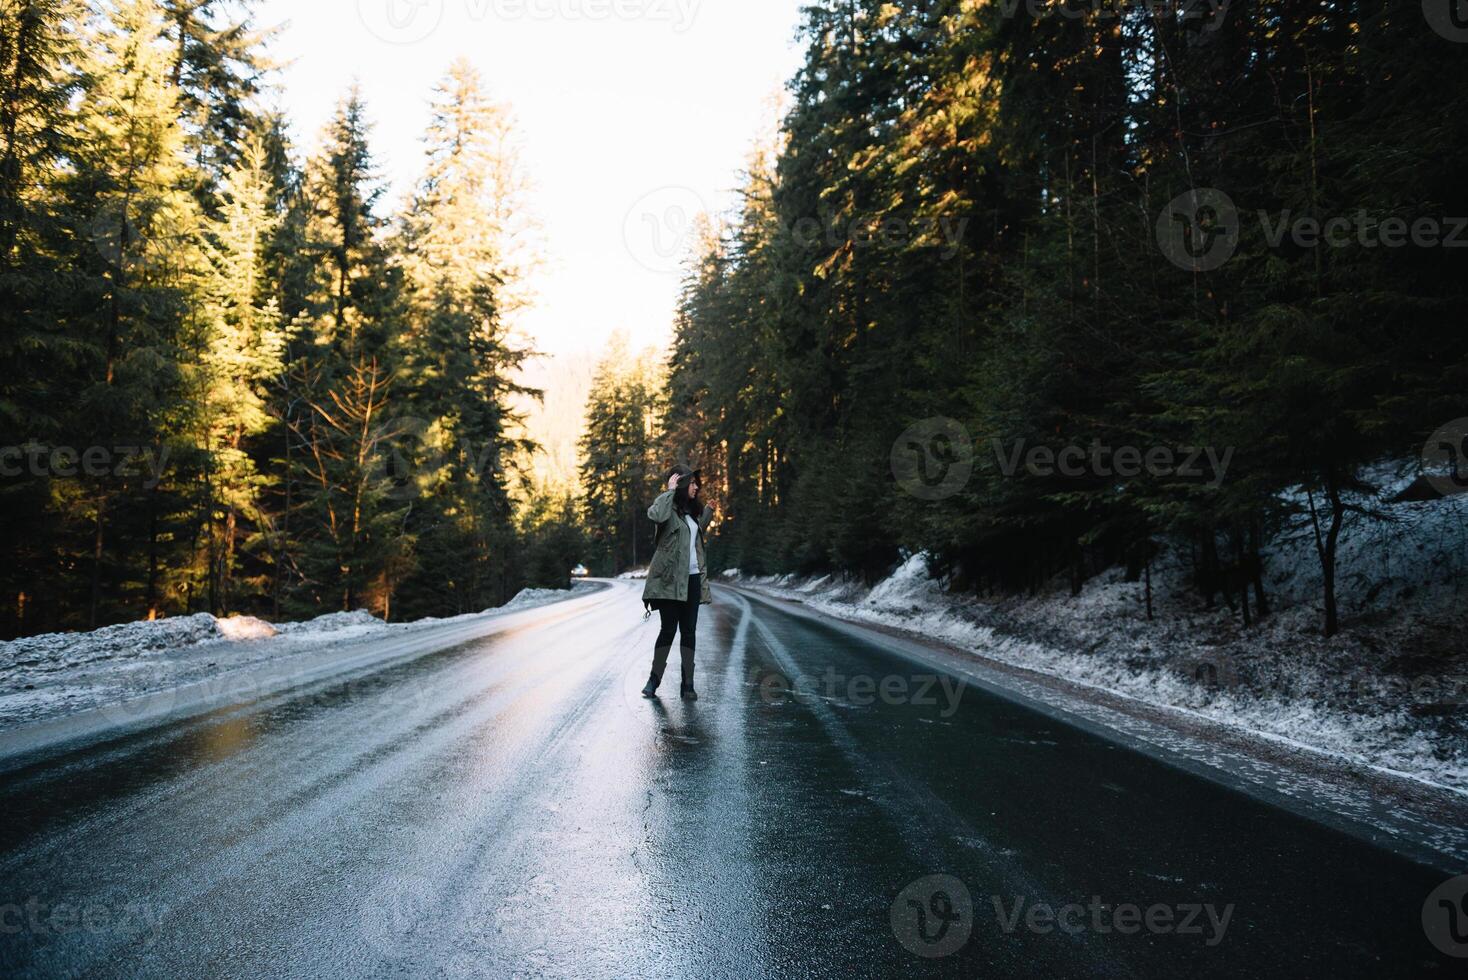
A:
[633,114]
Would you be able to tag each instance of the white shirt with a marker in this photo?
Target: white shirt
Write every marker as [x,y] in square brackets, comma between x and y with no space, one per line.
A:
[693,568]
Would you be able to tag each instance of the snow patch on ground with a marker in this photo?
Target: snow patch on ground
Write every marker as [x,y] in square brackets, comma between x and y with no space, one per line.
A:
[61,673]
[1389,691]
[245,628]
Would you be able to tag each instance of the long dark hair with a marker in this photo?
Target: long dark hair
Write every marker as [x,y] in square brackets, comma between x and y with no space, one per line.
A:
[683,504]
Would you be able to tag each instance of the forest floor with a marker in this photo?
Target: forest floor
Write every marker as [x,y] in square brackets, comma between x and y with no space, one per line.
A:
[1389,692]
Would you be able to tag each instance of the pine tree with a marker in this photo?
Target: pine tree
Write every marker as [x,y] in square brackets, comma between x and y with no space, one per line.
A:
[240,360]
[459,360]
[351,506]
[139,237]
[37,83]
[619,470]
[216,65]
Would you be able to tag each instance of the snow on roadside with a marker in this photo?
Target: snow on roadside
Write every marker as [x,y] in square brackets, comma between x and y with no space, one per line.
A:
[1390,691]
[59,673]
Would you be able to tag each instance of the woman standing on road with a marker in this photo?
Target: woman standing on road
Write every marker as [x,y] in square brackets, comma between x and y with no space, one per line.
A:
[677,579]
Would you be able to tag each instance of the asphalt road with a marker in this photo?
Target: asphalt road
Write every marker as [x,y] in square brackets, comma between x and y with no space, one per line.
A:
[509,806]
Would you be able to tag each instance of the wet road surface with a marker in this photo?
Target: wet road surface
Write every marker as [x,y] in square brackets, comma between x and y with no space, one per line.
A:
[511,807]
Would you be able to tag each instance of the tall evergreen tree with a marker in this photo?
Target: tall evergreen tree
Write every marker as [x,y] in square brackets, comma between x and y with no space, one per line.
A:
[459,360]
[138,235]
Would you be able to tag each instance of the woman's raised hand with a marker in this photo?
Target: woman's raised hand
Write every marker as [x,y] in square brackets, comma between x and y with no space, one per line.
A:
[673,482]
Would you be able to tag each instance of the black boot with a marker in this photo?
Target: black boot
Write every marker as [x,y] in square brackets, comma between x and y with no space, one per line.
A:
[653,680]
[686,691]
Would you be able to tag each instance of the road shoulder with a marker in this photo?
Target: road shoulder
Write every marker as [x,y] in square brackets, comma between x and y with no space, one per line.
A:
[1416,820]
[162,698]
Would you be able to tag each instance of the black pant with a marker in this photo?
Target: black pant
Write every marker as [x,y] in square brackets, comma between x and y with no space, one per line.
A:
[679,617]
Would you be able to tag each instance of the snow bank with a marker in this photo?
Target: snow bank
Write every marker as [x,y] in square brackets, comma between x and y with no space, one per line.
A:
[530,598]
[1390,691]
[58,673]
[245,628]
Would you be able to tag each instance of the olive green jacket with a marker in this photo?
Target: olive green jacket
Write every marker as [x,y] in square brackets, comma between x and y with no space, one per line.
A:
[667,576]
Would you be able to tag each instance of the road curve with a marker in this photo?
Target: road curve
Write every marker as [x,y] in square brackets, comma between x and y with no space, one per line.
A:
[508,806]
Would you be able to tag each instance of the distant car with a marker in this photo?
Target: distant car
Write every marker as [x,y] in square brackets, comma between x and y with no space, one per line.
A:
[580,571]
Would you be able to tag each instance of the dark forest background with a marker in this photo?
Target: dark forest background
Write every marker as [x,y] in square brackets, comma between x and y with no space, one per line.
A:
[997,213]
[232,382]
[960,219]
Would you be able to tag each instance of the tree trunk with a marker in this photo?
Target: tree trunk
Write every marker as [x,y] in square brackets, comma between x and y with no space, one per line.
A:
[152,595]
[1240,560]
[1147,577]
[1326,547]
[1256,559]
[98,538]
